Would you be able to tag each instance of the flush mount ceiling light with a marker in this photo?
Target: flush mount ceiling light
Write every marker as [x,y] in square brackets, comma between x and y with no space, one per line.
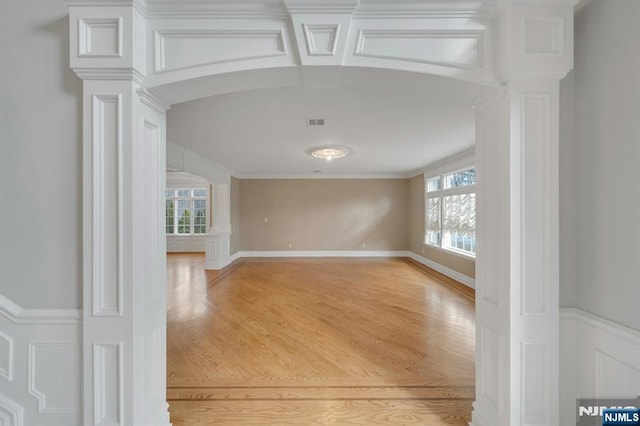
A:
[329,152]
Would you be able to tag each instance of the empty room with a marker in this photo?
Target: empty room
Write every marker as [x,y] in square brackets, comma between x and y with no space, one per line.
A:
[319,212]
[319,227]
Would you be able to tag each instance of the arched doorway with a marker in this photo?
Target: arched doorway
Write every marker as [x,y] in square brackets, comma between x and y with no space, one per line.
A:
[136,59]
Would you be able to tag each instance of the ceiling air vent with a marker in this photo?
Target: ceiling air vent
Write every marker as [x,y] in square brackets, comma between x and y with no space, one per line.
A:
[315,122]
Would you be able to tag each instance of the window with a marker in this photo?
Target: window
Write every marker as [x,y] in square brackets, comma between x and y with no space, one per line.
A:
[186,211]
[450,211]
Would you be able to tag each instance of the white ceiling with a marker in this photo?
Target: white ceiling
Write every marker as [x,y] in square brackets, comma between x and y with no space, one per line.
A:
[395,123]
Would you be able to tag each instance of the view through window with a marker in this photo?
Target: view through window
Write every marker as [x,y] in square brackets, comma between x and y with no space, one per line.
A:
[186,211]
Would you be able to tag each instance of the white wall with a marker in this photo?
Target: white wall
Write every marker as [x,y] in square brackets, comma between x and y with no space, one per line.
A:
[40,157]
[607,88]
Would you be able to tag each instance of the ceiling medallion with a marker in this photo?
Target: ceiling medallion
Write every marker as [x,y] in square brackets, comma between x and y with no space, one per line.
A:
[329,152]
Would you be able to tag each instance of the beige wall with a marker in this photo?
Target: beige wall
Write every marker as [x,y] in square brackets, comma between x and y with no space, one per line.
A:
[416,233]
[235,215]
[323,214]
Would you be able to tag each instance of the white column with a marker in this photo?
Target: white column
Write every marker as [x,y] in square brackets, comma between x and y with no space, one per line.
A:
[124,300]
[218,240]
[517,322]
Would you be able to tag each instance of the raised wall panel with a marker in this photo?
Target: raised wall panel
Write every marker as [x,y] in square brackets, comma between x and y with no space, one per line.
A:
[462,49]
[321,39]
[107,383]
[492,179]
[151,224]
[535,110]
[53,366]
[153,369]
[107,213]
[6,356]
[100,37]
[614,378]
[543,35]
[180,49]
[535,367]
[490,372]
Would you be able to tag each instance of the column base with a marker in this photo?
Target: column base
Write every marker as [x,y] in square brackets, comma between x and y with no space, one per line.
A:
[217,250]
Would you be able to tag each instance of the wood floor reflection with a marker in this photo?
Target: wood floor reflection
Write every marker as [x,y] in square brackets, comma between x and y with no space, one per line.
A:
[317,341]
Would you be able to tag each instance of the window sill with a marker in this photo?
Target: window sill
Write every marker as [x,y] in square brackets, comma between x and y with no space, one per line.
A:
[448,251]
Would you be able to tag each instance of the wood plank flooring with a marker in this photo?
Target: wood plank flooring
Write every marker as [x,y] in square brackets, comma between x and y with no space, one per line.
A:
[317,341]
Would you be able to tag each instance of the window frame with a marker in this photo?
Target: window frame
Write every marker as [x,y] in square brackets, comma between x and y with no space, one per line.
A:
[441,173]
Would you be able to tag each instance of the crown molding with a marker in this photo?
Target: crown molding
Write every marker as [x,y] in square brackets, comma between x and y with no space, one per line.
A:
[110,74]
[321,176]
[153,101]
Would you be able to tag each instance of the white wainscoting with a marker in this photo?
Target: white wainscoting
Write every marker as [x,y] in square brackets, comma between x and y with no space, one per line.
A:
[598,359]
[39,366]
[186,244]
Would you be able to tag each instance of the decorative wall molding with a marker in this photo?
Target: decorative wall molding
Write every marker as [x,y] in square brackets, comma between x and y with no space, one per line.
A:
[321,39]
[19,315]
[11,413]
[52,364]
[100,37]
[599,359]
[6,356]
[451,48]
[108,393]
[107,154]
[182,49]
[30,367]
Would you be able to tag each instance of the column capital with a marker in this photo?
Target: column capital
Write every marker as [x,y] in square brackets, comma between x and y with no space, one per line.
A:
[536,39]
[107,42]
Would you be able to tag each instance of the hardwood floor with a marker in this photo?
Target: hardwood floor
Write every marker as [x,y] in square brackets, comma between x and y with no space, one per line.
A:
[317,341]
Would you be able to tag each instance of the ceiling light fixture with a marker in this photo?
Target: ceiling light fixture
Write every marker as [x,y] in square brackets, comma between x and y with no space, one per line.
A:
[329,152]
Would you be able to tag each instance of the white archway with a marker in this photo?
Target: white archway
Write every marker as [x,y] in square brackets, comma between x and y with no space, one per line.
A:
[132,54]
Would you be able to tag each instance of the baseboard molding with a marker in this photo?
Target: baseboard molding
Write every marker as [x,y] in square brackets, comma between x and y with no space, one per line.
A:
[19,315]
[323,253]
[455,275]
[598,359]
[468,281]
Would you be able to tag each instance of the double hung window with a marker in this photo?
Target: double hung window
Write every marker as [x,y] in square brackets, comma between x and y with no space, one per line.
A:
[450,211]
